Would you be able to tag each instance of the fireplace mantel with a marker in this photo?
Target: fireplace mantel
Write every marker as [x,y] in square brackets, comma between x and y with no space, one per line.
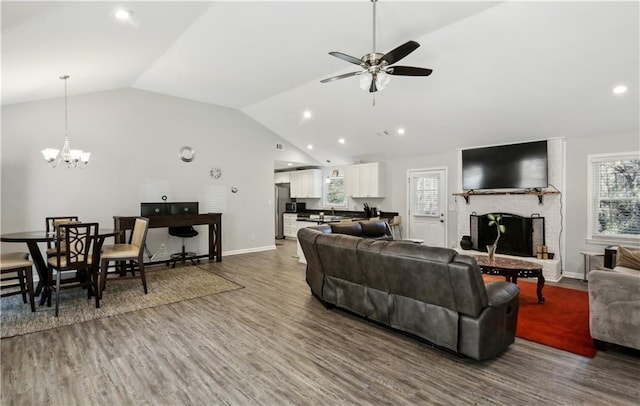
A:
[539,193]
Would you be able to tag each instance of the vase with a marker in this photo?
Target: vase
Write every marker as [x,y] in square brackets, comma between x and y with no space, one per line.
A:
[491,250]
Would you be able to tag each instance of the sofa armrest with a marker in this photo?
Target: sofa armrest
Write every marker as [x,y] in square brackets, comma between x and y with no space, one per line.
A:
[614,307]
[501,293]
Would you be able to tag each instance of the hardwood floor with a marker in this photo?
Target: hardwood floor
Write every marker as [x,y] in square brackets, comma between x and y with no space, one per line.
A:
[272,343]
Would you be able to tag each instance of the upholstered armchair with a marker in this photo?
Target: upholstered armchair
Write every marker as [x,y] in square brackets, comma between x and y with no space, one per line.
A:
[614,305]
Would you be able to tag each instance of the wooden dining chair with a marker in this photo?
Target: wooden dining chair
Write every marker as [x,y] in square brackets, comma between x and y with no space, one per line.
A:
[17,272]
[74,254]
[52,224]
[132,252]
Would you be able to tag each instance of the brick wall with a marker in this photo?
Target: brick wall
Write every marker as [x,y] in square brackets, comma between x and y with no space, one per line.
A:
[525,205]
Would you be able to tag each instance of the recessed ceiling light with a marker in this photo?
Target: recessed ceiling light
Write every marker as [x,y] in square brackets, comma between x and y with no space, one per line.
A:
[123,14]
[309,146]
[401,131]
[619,89]
[342,141]
[289,164]
[306,114]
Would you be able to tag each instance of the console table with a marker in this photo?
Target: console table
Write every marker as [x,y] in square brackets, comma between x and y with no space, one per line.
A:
[512,269]
[213,220]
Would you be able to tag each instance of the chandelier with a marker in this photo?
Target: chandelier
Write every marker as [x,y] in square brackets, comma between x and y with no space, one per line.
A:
[71,157]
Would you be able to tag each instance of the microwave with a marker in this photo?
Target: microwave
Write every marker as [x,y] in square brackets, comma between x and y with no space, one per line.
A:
[295,207]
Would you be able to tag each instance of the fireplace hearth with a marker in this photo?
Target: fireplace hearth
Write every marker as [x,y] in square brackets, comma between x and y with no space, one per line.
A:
[522,235]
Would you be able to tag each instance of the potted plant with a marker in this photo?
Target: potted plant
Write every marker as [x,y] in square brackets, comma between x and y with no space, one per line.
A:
[494,220]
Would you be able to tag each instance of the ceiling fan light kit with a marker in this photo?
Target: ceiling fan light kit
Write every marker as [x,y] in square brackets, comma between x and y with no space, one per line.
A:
[376,67]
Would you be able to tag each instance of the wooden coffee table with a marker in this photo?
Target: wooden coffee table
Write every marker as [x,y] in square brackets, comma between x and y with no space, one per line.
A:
[512,269]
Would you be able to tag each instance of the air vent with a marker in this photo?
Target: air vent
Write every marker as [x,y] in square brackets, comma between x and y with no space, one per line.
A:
[280,147]
[382,133]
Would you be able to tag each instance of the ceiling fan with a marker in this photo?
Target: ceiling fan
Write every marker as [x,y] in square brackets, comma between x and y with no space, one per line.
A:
[376,67]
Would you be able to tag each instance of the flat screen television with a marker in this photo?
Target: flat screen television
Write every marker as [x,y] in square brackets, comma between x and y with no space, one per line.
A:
[513,166]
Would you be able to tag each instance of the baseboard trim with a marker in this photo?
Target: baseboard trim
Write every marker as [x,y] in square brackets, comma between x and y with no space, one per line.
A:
[574,275]
[249,250]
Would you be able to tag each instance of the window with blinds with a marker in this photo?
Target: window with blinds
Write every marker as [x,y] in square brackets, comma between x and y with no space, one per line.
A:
[615,208]
[426,189]
[334,194]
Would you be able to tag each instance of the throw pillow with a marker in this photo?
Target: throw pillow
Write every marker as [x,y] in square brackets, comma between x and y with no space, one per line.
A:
[628,258]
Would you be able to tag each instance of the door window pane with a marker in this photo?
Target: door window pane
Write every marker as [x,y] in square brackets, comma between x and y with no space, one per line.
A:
[426,195]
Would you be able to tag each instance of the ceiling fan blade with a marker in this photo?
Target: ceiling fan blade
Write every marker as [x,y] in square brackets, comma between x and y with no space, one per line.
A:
[400,52]
[348,58]
[345,75]
[408,71]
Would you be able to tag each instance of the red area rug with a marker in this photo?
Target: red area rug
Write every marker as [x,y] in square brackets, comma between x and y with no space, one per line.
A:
[561,322]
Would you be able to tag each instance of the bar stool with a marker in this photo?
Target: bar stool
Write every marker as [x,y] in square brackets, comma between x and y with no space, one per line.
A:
[19,263]
[394,223]
[183,232]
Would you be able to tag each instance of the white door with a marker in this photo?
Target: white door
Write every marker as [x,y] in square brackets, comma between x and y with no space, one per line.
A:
[427,206]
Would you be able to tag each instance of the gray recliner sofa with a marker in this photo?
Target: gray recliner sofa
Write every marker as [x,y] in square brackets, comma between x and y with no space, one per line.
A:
[430,292]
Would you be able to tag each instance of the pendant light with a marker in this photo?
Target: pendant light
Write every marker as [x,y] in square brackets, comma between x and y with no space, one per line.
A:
[73,158]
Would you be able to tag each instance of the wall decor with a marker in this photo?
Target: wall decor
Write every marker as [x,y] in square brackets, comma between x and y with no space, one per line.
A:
[187,154]
[215,173]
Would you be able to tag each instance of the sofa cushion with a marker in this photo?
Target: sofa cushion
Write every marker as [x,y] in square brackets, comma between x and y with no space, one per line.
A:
[628,258]
[625,270]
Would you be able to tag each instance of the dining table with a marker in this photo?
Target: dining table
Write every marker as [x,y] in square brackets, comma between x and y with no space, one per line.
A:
[33,238]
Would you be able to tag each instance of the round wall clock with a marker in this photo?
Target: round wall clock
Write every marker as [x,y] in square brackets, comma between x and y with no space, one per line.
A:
[187,154]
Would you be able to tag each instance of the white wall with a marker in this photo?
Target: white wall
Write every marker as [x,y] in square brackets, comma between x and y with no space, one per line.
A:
[577,150]
[134,137]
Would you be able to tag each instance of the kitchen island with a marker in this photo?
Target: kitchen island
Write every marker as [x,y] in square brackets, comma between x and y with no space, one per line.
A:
[310,220]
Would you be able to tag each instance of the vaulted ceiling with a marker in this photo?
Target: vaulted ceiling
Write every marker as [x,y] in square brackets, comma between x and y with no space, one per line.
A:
[503,71]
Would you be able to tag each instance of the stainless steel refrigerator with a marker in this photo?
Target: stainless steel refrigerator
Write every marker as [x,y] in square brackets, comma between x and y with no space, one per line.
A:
[281,197]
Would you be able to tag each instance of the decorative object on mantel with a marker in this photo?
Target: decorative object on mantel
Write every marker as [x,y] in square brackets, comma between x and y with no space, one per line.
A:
[72,157]
[465,242]
[495,221]
[187,154]
[215,173]
[542,252]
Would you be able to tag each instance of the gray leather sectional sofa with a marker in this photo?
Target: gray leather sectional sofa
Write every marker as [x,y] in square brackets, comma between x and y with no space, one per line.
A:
[430,292]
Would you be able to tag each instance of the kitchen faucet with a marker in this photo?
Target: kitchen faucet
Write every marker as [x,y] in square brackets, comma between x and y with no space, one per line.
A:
[333,212]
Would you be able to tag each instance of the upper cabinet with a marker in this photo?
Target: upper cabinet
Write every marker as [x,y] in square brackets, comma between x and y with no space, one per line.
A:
[364,180]
[306,184]
[281,177]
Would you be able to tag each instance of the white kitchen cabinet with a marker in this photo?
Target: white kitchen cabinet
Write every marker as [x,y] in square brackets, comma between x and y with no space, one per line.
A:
[364,180]
[281,177]
[289,225]
[306,184]
[352,180]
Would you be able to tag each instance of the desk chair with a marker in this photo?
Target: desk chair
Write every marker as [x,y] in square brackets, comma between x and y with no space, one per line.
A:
[183,232]
[52,225]
[74,254]
[18,266]
[132,252]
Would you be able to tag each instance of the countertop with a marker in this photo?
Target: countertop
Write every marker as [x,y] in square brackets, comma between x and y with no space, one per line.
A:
[326,219]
